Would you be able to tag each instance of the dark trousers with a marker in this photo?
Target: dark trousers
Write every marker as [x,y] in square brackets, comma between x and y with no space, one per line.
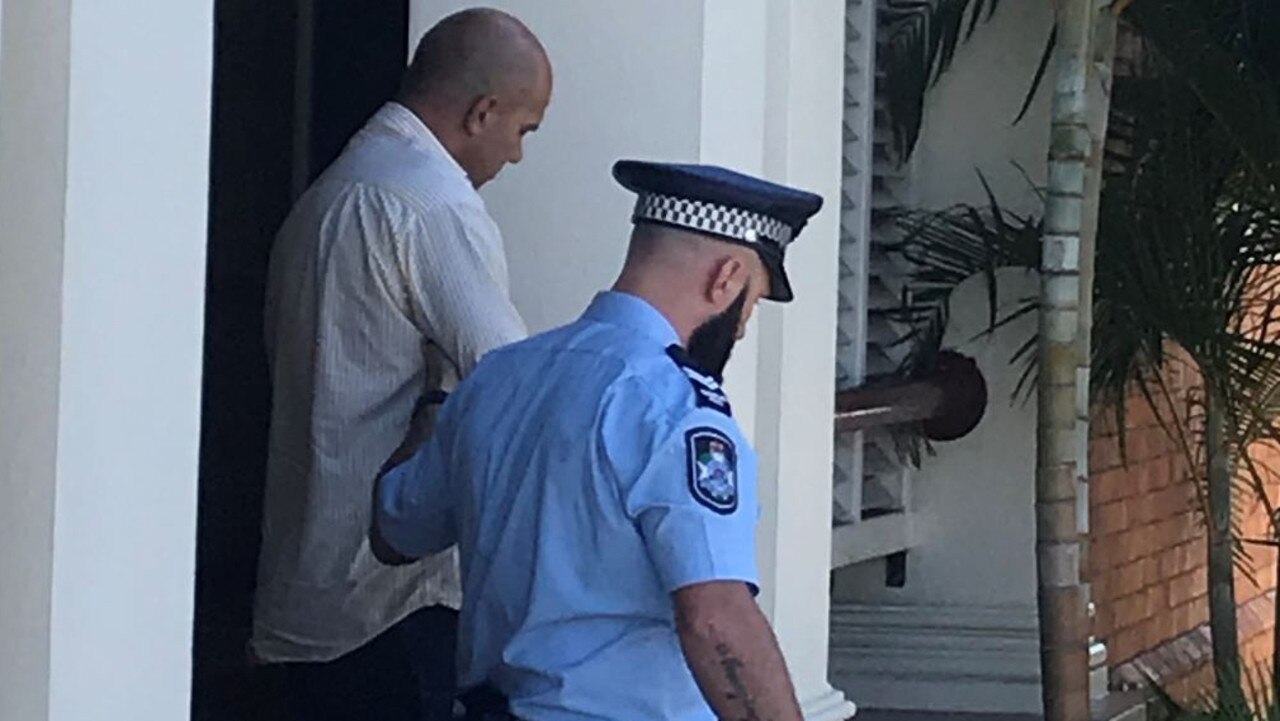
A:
[406,674]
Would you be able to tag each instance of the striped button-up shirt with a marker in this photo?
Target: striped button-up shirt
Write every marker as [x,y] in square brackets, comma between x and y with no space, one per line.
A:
[387,281]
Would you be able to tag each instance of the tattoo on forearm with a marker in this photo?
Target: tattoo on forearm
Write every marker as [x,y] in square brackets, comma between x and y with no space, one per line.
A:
[732,666]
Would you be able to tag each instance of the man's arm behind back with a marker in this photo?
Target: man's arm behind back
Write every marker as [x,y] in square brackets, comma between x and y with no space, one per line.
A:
[733,653]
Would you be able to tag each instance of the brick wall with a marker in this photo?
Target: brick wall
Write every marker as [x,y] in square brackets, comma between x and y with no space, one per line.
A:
[1147,553]
[1146,558]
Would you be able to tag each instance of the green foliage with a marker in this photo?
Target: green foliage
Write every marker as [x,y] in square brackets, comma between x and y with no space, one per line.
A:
[1260,703]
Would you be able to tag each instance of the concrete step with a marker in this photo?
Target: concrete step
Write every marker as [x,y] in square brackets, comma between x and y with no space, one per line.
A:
[1128,706]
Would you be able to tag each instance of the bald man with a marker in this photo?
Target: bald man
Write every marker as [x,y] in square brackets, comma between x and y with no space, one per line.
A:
[387,284]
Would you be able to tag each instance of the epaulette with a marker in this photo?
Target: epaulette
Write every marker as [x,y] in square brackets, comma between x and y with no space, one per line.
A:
[706,388]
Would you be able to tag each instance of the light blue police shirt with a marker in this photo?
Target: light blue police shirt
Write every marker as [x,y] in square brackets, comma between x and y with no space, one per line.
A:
[586,474]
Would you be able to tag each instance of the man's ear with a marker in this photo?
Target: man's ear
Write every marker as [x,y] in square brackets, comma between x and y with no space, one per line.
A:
[480,114]
[727,281]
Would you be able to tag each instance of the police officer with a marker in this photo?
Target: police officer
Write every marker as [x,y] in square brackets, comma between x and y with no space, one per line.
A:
[602,496]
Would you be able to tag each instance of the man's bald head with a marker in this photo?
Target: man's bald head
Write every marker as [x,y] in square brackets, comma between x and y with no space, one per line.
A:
[480,80]
[473,53]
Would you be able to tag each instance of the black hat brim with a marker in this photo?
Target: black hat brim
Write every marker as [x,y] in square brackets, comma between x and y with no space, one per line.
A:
[779,284]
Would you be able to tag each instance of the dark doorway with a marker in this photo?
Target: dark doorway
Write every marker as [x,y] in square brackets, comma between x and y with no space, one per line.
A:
[292,81]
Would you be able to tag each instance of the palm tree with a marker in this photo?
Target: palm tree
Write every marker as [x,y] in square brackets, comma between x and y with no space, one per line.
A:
[1064,651]
[1199,193]
[1181,241]
[922,38]
[1222,54]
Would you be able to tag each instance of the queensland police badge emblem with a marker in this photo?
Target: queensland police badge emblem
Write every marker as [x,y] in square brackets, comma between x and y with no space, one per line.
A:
[713,470]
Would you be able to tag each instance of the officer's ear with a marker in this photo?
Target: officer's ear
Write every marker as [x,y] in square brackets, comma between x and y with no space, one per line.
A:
[729,276]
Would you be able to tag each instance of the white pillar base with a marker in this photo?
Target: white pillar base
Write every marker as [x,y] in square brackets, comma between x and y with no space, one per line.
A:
[829,704]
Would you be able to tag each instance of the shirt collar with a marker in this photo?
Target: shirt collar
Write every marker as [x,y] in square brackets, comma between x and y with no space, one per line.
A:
[405,123]
[629,311]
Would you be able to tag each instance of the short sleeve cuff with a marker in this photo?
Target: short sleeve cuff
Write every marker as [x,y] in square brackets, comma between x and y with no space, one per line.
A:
[680,543]
[411,516]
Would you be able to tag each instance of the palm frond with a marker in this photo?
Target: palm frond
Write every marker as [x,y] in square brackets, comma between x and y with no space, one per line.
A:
[1227,58]
[1046,58]
[919,39]
[946,248]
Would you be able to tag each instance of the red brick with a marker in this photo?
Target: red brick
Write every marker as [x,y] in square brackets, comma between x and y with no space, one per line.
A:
[1155,601]
[1144,473]
[1108,485]
[1146,550]
[1150,571]
[1102,423]
[1140,415]
[1135,449]
[1181,615]
[1192,524]
[1151,475]
[1110,518]
[1148,542]
[1142,509]
[1113,548]
[1200,609]
[1163,474]
[1104,620]
[1104,455]
[1172,500]
[1157,629]
[1128,580]
[1130,610]
[1125,645]
[1130,545]
[1099,585]
[1165,533]
[1193,555]
[1102,555]
[1183,589]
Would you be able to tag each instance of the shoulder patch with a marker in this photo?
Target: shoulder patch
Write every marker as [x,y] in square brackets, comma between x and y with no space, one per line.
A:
[706,388]
[713,469]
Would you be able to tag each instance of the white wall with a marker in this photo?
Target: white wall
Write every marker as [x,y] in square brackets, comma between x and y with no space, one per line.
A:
[104,134]
[32,181]
[969,115]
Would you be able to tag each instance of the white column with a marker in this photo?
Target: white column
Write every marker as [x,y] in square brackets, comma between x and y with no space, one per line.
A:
[104,135]
[804,96]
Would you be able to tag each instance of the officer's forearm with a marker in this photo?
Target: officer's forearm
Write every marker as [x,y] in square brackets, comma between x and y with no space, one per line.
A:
[382,550]
[733,654]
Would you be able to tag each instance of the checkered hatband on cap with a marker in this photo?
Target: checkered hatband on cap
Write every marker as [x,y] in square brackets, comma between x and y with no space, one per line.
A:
[712,218]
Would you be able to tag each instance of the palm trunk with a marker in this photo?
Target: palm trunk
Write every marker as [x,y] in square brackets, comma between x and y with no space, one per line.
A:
[1064,651]
[1275,620]
[1103,49]
[1222,586]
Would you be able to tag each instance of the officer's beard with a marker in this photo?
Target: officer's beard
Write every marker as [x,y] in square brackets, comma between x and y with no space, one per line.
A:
[711,343]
